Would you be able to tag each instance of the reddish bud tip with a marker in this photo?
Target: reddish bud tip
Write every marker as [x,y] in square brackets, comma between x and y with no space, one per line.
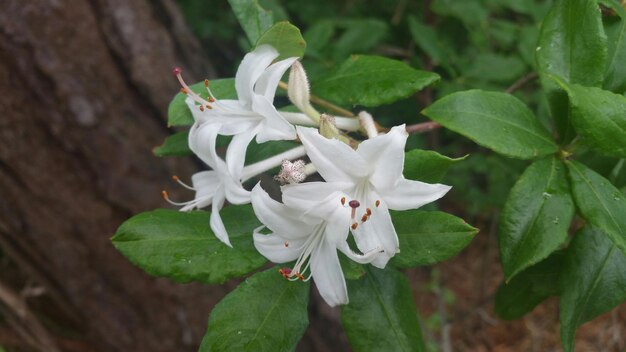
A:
[354,203]
[177,71]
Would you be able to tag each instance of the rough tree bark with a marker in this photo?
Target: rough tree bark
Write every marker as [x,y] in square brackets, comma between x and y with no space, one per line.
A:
[85,86]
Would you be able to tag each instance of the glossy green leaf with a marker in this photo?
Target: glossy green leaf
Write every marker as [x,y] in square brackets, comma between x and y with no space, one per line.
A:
[428,237]
[359,35]
[572,46]
[264,313]
[529,288]
[253,18]
[178,113]
[593,281]
[182,247]
[498,121]
[286,38]
[615,79]
[427,165]
[258,152]
[536,216]
[599,117]
[174,145]
[381,315]
[599,202]
[372,81]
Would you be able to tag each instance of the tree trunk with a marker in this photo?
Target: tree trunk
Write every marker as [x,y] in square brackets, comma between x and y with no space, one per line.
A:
[85,87]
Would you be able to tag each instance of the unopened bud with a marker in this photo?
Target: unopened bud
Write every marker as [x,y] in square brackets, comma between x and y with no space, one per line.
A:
[298,91]
[328,126]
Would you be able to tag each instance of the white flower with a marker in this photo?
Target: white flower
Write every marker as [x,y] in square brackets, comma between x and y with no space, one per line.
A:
[253,112]
[311,239]
[224,181]
[372,178]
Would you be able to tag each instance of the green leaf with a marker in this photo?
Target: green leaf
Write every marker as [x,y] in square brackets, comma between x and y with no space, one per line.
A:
[174,145]
[253,18]
[599,117]
[427,165]
[496,68]
[258,152]
[182,247]
[264,313]
[599,202]
[359,36]
[286,38]
[592,281]
[351,269]
[318,36]
[498,121]
[536,216]
[428,237]
[572,46]
[178,113]
[427,39]
[615,77]
[381,315]
[529,288]
[372,81]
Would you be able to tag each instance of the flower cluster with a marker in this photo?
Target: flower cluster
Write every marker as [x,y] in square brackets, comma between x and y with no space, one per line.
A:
[362,180]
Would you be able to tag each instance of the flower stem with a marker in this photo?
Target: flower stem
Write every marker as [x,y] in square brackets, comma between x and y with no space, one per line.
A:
[422,127]
[272,162]
[321,102]
[343,123]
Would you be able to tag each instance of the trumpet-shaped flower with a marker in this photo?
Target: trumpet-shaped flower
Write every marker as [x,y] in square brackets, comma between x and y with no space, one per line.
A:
[311,239]
[371,177]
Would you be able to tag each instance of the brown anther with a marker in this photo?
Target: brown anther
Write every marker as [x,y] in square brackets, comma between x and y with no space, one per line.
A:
[286,244]
[377,203]
[343,200]
[206,82]
[354,204]
[368,211]
[164,194]
[201,108]
[211,99]
[354,226]
[175,178]
[209,107]
[177,71]
[285,272]
[183,90]
[299,276]
[364,218]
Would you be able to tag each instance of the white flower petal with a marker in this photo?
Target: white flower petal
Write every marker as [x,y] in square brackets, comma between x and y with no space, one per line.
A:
[308,195]
[377,232]
[276,216]
[357,257]
[327,274]
[274,126]
[385,155]
[236,153]
[408,194]
[250,69]
[273,247]
[217,225]
[267,83]
[334,160]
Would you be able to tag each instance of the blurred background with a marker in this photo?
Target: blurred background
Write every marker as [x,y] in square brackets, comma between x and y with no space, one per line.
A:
[85,87]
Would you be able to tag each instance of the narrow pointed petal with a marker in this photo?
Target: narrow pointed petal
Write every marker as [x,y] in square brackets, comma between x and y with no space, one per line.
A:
[334,160]
[306,196]
[273,247]
[268,82]
[408,194]
[236,153]
[273,126]
[276,216]
[216,220]
[385,154]
[377,232]
[205,183]
[250,69]
[327,274]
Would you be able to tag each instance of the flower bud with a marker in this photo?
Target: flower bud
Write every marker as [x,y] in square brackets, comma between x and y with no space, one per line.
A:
[298,91]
